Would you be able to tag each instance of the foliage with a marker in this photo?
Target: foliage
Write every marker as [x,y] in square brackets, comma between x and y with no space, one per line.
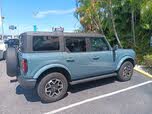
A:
[148,60]
[127,21]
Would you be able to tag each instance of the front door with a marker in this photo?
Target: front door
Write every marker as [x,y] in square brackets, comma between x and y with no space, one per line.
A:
[101,56]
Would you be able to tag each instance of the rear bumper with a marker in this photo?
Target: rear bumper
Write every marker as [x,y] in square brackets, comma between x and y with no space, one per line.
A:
[27,83]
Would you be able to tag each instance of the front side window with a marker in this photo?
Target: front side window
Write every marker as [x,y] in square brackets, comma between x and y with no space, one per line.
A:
[98,44]
[45,43]
[75,45]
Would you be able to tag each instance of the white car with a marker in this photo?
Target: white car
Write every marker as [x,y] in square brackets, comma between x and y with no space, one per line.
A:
[2,50]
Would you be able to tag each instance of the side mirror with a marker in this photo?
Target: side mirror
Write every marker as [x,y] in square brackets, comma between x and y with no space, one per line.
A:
[115,47]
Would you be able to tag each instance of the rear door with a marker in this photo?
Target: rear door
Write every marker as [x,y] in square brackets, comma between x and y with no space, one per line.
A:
[77,58]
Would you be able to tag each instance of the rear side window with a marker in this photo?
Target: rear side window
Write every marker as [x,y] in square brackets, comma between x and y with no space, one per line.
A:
[98,44]
[75,45]
[45,43]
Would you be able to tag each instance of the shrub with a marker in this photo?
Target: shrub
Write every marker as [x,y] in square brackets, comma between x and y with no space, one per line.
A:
[148,60]
[139,59]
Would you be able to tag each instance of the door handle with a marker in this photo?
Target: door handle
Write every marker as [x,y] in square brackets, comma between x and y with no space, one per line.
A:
[70,60]
[96,58]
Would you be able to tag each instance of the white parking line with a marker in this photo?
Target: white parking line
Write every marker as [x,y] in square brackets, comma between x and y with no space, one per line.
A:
[96,98]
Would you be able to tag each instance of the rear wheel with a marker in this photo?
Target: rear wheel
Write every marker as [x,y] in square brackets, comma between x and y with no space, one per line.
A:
[125,72]
[52,87]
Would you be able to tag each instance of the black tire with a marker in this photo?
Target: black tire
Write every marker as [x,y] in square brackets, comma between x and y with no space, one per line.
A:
[125,72]
[11,62]
[41,88]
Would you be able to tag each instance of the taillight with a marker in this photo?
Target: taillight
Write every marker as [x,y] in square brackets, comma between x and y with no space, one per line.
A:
[24,66]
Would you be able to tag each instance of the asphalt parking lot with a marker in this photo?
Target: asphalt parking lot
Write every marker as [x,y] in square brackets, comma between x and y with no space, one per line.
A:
[107,96]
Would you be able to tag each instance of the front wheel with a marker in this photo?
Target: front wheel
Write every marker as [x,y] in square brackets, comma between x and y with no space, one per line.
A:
[125,72]
[52,87]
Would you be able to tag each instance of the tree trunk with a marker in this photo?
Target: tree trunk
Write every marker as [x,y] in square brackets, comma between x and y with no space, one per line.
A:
[114,26]
[98,26]
[133,27]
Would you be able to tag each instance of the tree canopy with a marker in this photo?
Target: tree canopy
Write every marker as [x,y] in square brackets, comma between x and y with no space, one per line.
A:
[125,22]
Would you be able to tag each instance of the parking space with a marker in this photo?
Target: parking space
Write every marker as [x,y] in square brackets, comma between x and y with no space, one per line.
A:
[16,100]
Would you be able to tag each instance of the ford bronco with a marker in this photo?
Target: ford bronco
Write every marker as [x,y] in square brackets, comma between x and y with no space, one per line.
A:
[51,61]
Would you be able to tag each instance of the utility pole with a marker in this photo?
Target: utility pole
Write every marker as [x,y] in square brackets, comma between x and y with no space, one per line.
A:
[2,19]
[2,24]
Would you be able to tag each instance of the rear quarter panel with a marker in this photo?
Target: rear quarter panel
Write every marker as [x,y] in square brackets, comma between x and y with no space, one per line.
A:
[39,62]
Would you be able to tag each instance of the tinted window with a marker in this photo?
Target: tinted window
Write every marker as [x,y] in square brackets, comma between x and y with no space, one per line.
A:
[75,45]
[98,44]
[45,43]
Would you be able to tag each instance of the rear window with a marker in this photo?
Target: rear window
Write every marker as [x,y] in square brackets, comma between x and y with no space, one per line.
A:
[45,43]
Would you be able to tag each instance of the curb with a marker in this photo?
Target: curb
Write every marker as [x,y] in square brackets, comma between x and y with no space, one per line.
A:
[143,72]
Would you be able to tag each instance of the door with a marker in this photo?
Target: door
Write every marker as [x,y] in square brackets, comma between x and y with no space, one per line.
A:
[77,58]
[101,56]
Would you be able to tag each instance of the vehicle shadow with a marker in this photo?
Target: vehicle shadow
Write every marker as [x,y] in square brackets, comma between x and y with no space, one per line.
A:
[91,84]
[31,95]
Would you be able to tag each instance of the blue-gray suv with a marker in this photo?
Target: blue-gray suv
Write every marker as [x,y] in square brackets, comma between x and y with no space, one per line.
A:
[51,61]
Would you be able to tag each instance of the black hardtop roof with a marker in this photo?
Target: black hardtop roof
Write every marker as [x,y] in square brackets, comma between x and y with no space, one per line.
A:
[68,34]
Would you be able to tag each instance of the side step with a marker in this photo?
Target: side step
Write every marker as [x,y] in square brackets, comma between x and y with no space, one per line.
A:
[93,78]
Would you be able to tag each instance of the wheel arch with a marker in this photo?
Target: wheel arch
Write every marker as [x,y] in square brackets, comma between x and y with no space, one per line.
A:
[127,58]
[56,68]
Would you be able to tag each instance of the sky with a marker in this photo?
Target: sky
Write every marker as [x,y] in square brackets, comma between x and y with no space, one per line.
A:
[43,13]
